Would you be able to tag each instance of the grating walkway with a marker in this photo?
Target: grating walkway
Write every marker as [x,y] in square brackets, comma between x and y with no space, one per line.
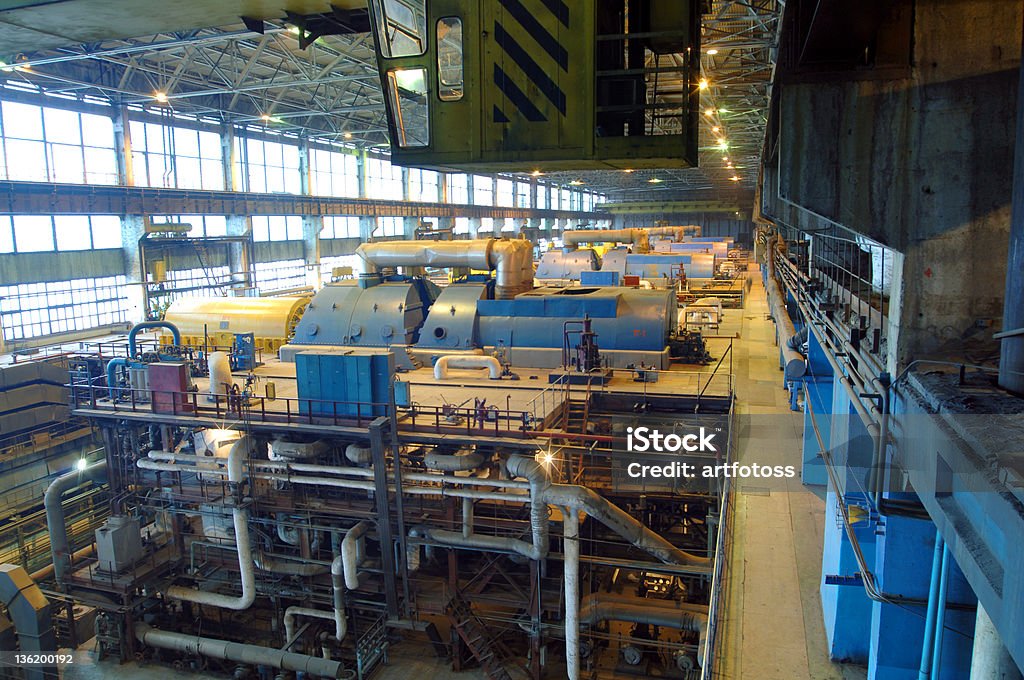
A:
[773,626]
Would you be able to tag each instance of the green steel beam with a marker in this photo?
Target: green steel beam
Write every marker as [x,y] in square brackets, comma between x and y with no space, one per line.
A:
[665,207]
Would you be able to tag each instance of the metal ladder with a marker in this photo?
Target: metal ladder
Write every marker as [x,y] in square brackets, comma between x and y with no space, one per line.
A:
[491,654]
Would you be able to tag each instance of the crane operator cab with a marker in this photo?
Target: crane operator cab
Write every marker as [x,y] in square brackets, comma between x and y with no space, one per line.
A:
[539,85]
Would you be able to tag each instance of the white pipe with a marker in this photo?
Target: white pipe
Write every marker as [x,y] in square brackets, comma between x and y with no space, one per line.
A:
[350,551]
[453,462]
[220,375]
[238,652]
[512,260]
[466,361]
[360,455]
[637,237]
[467,517]
[240,517]
[290,615]
[571,524]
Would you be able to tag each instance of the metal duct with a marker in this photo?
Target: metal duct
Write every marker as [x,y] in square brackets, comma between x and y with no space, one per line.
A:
[288,567]
[638,237]
[462,461]
[30,612]
[667,613]
[240,517]
[360,455]
[512,260]
[237,652]
[56,525]
[793,362]
[442,365]
[677,233]
[147,325]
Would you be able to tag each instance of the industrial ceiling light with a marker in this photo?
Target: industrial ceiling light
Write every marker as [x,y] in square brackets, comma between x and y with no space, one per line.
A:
[723,144]
[160,96]
[82,464]
[347,135]
[715,129]
[712,52]
[576,183]
[735,178]
[536,173]
[628,170]
[709,112]
[702,84]
[655,180]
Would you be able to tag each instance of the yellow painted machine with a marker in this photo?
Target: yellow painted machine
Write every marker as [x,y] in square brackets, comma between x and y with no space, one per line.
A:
[524,85]
[216,321]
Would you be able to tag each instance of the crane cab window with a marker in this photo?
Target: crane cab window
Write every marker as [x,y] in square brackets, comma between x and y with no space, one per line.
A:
[402,27]
[407,88]
[450,77]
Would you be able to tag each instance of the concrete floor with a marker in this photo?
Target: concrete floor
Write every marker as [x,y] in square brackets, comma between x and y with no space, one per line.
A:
[773,626]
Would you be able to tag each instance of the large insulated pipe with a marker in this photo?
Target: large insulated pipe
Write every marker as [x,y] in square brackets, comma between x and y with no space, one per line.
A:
[237,652]
[238,453]
[793,362]
[448,361]
[56,524]
[637,237]
[220,375]
[677,233]
[571,532]
[453,462]
[511,259]
[350,552]
[338,615]
[609,514]
[666,613]
[148,325]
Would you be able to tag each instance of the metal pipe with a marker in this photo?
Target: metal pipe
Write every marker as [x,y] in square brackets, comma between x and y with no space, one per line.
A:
[147,325]
[571,533]
[637,237]
[453,462]
[442,365]
[240,518]
[112,366]
[350,551]
[467,517]
[56,523]
[990,659]
[668,613]
[924,671]
[237,652]
[288,567]
[794,362]
[940,614]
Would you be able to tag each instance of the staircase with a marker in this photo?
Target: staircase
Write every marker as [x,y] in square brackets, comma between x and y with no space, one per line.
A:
[493,656]
[576,414]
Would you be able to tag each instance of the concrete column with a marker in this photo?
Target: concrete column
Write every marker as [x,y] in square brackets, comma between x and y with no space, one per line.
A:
[238,255]
[1011,360]
[229,158]
[312,225]
[533,193]
[409,225]
[305,187]
[470,188]
[123,147]
[361,172]
[989,658]
[446,223]
[406,192]
[367,225]
[442,187]
[132,229]
[474,227]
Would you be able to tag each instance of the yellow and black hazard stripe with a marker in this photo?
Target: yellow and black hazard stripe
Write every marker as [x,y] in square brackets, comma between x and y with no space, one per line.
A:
[523,20]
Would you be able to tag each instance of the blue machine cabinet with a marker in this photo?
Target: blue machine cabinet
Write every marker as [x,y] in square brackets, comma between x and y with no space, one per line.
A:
[344,382]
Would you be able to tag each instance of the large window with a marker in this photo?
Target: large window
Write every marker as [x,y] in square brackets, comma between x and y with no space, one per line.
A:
[423,185]
[483,190]
[458,189]
[522,194]
[32,310]
[504,192]
[390,226]
[175,157]
[270,167]
[383,180]
[46,233]
[283,275]
[43,144]
[461,225]
[340,227]
[277,228]
[333,174]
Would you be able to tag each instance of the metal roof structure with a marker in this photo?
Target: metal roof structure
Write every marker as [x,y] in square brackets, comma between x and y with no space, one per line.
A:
[330,90]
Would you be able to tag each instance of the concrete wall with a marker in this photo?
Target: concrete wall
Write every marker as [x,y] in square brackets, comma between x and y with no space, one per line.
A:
[919,159]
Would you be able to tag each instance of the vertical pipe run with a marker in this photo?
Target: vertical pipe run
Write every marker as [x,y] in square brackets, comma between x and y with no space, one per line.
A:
[940,614]
[571,524]
[924,672]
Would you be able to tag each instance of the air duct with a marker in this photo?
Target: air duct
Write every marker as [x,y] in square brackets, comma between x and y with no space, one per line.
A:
[56,524]
[240,517]
[637,237]
[238,652]
[360,455]
[512,260]
[677,233]
[30,613]
[462,461]
[666,613]
[448,361]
